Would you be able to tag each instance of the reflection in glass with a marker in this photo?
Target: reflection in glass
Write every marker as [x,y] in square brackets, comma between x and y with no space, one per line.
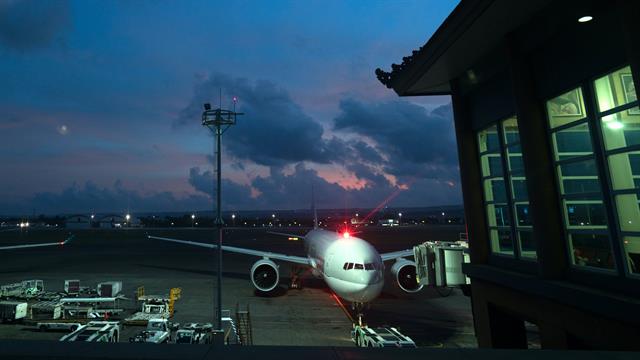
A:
[621,129]
[632,253]
[522,214]
[566,108]
[527,244]
[510,128]
[590,214]
[498,215]
[501,241]
[491,165]
[488,140]
[628,212]
[625,170]
[615,89]
[572,142]
[591,250]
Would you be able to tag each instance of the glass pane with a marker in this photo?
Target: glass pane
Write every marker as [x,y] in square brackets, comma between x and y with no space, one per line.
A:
[615,89]
[591,250]
[522,215]
[501,241]
[511,133]
[488,140]
[566,108]
[495,191]
[519,188]
[632,252]
[625,170]
[498,215]
[572,142]
[621,129]
[585,214]
[491,165]
[628,212]
[579,177]
[515,163]
[527,244]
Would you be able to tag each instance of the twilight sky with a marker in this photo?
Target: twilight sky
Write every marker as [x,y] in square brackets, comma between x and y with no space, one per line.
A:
[100,105]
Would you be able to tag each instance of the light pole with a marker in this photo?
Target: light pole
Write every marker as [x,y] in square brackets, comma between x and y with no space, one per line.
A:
[399,218]
[218,121]
[193,218]
[233,218]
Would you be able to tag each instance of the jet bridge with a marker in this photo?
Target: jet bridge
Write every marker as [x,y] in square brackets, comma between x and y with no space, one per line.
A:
[439,263]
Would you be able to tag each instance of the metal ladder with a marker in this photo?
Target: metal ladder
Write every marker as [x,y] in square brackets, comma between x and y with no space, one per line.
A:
[243,319]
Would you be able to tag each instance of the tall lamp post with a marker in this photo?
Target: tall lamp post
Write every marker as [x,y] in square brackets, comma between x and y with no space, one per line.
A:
[219,121]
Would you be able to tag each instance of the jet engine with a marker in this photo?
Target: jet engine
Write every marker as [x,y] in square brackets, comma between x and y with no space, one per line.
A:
[404,272]
[265,275]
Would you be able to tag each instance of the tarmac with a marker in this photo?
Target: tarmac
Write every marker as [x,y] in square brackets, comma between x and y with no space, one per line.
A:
[311,316]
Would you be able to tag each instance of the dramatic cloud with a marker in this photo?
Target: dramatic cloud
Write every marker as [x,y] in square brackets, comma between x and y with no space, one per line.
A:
[416,143]
[391,150]
[276,130]
[90,197]
[26,25]
[235,196]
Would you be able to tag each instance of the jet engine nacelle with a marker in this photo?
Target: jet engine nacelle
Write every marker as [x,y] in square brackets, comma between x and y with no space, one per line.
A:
[264,275]
[404,271]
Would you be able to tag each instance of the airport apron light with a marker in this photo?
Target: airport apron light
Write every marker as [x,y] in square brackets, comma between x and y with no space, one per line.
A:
[218,121]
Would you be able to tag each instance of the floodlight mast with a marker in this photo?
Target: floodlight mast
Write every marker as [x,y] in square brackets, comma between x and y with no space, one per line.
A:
[219,121]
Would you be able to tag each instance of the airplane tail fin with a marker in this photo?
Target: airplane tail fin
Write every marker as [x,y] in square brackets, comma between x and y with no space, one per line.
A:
[313,208]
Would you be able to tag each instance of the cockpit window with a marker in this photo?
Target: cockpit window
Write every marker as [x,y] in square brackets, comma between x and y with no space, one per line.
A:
[350,266]
[359,267]
[368,266]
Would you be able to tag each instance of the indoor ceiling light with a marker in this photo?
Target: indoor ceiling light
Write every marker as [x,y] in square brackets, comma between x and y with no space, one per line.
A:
[585,19]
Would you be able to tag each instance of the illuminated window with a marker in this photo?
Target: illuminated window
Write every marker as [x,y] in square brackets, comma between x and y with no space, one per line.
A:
[619,119]
[505,190]
[583,208]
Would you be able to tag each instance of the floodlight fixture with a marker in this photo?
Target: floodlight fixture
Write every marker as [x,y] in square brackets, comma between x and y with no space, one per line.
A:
[218,121]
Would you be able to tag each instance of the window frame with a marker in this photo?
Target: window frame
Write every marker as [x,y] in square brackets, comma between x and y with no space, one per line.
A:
[619,277]
[618,234]
[510,202]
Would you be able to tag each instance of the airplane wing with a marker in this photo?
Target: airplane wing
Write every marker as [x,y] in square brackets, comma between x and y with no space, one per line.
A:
[60,243]
[396,254]
[285,234]
[265,254]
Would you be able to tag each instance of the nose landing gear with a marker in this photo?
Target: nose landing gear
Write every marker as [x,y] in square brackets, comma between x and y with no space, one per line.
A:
[359,309]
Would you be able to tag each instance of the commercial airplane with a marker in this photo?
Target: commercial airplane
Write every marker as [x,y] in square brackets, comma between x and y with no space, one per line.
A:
[59,243]
[350,266]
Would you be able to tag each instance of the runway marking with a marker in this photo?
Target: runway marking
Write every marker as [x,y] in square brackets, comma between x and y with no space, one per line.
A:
[344,309]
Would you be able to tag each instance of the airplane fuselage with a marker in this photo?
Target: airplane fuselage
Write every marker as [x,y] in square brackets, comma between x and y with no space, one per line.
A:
[350,266]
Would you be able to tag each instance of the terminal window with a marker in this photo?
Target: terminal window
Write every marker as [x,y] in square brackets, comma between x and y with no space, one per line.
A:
[505,191]
[580,186]
[619,120]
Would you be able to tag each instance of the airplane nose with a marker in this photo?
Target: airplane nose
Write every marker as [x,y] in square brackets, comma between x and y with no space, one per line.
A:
[368,292]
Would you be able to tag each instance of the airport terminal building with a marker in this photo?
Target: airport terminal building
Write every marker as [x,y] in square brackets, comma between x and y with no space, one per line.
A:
[548,129]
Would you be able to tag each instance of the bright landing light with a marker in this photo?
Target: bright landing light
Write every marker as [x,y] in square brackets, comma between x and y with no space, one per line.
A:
[346,234]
